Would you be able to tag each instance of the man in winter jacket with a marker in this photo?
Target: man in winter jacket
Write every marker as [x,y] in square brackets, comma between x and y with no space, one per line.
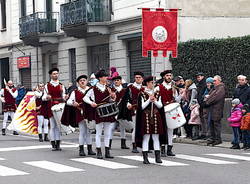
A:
[215,100]
[242,91]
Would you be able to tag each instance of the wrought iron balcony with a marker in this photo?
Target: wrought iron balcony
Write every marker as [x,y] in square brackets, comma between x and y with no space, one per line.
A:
[76,15]
[38,23]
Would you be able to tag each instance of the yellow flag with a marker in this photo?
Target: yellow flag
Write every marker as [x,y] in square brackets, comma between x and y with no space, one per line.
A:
[25,117]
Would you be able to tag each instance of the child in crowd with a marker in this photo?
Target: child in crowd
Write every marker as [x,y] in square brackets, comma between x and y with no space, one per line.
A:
[195,120]
[245,127]
[235,122]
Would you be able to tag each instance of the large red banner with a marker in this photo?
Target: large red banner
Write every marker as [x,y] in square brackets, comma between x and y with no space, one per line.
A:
[159,31]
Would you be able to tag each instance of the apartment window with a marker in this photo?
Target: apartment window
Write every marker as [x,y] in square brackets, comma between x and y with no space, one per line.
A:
[72,65]
[3,14]
[23,8]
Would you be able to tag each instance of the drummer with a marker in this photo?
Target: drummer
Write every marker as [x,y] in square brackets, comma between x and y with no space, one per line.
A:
[54,93]
[119,91]
[76,100]
[168,94]
[101,94]
[150,122]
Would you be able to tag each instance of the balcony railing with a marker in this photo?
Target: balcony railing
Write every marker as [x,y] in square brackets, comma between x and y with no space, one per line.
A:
[83,11]
[38,23]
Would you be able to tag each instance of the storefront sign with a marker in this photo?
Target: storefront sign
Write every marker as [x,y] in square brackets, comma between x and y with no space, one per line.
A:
[23,62]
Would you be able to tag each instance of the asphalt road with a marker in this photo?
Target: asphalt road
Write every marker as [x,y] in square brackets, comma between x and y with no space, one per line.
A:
[24,160]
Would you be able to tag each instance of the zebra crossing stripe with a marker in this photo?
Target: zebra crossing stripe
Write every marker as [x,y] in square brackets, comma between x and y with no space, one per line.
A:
[152,160]
[6,171]
[202,159]
[2,159]
[53,166]
[34,147]
[237,157]
[103,163]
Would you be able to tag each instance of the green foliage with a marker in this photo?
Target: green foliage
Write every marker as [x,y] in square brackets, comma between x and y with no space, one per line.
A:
[225,57]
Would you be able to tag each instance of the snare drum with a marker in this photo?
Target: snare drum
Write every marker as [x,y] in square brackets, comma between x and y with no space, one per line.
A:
[174,116]
[106,110]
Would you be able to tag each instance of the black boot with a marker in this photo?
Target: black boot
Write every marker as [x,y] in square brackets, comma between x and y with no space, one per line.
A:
[40,137]
[3,132]
[163,151]
[134,150]
[110,143]
[90,151]
[58,148]
[15,133]
[169,151]
[81,151]
[99,153]
[53,144]
[145,157]
[235,146]
[123,144]
[158,156]
[46,138]
[107,153]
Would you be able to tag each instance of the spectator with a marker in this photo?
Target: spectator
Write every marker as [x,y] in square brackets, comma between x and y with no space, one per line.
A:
[215,100]
[242,90]
[201,87]
[235,119]
[245,127]
[112,73]
[21,93]
[188,95]
[195,120]
[92,80]
[206,114]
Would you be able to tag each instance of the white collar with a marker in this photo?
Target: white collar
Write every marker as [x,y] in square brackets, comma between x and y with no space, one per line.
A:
[102,87]
[83,90]
[149,91]
[119,88]
[138,86]
[167,85]
[54,83]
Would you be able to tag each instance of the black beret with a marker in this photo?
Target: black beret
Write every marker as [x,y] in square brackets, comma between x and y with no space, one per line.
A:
[53,70]
[162,74]
[80,77]
[148,79]
[101,73]
[117,78]
[138,73]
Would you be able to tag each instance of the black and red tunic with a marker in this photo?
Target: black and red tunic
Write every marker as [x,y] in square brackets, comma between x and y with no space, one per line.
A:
[134,93]
[56,93]
[119,94]
[10,101]
[167,95]
[146,123]
[151,124]
[99,98]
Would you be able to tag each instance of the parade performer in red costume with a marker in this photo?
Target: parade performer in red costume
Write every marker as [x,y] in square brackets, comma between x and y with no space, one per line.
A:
[8,97]
[54,93]
[129,104]
[42,115]
[168,94]
[151,127]
[119,90]
[78,117]
[101,94]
